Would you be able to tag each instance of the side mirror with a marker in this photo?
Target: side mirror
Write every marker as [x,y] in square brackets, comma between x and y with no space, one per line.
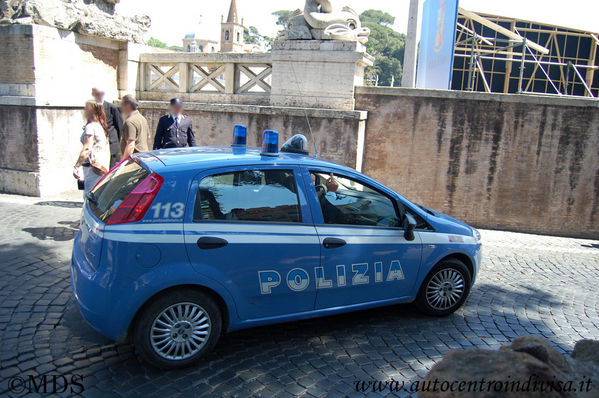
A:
[409,226]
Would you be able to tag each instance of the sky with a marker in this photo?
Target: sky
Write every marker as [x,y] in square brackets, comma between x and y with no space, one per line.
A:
[172,19]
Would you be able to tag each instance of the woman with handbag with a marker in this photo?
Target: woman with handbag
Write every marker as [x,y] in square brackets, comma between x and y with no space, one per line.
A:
[94,157]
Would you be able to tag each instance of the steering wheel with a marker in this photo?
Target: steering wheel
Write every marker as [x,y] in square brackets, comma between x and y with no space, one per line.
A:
[320,189]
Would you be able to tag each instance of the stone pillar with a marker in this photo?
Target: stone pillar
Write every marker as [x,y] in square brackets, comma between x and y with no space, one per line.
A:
[317,73]
[411,50]
[46,75]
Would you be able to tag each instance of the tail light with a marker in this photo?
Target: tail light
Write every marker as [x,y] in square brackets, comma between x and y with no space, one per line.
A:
[136,204]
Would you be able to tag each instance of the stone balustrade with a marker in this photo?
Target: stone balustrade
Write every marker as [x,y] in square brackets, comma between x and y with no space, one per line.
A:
[208,78]
[298,73]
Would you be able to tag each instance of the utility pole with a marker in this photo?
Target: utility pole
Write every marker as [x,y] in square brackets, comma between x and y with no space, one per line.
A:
[411,51]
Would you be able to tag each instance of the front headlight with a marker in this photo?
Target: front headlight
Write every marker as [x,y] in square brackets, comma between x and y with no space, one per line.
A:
[476,235]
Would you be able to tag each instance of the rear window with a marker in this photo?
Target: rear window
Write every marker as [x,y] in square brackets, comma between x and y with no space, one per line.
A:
[251,195]
[114,188]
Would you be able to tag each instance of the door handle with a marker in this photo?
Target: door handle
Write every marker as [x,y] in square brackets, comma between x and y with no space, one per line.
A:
[210,242]
[333,243]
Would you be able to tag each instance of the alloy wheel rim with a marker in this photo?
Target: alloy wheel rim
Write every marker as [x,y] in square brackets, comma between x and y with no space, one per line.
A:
[445,289]
[180,331]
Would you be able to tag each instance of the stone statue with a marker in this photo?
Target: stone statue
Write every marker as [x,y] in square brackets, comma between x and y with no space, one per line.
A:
[321,20]
[92,17]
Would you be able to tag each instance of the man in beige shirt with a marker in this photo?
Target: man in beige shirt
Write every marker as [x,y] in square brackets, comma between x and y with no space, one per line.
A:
[135,133]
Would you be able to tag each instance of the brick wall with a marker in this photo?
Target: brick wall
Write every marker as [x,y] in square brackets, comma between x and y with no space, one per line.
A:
[497,161]
[16,58]
[18,135]
[16,55]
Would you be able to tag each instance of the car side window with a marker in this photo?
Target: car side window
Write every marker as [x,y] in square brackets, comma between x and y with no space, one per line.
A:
[248,195]
[348,202]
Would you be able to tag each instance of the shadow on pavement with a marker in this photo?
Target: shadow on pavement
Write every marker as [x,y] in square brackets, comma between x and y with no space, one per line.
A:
[59,234]
[61,203]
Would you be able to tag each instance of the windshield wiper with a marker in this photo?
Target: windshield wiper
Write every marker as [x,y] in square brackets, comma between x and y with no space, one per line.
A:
[92,198]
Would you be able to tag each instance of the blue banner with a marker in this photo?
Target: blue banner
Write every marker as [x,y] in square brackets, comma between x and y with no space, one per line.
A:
[437,40]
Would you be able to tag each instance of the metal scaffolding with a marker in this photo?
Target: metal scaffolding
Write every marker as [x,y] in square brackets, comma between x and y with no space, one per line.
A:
[500,54]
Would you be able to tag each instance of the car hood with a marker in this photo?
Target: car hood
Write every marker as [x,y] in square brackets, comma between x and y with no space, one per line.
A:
[444,223]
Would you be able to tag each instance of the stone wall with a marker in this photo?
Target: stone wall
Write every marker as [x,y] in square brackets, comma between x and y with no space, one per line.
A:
[46,75]
[87,61]
[59,134]
[40,146]
[339,134]
[55,67]
[524,163]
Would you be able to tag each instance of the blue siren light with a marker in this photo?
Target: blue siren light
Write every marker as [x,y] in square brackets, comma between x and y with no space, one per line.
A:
[240,135]
[270,143]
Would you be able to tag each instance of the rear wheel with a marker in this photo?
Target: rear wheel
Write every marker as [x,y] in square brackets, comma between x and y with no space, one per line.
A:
[445,288]
[177,329]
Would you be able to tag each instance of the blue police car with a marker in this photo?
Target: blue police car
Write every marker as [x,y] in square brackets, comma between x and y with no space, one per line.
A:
[178,246]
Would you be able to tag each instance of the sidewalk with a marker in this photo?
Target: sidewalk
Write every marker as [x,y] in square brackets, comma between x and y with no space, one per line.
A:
[70,197]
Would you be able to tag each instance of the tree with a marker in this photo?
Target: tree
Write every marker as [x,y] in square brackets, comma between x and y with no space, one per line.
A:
[283,17]
[153,42]
[252,36]
[386,45]
[377,16]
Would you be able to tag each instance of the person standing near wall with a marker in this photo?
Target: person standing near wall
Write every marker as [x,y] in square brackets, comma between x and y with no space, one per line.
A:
[174,130]
[115,125]
[94,158]
[135,128]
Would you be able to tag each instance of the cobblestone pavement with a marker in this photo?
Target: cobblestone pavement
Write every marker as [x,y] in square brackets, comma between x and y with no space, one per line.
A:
[528,284]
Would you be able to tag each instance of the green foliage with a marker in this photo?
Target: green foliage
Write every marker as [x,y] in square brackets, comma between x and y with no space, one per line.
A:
[378,17]
[252,36]
[156,43]
[160,44]
[386,45]
[283,17]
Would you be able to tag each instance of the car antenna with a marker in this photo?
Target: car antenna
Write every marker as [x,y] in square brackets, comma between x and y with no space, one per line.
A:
[305,113]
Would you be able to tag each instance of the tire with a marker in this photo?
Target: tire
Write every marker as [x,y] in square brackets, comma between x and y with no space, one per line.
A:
[176,329]
[437,294]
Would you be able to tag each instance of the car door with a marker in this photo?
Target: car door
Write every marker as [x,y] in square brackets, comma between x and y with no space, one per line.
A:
[250,228]
[365,256]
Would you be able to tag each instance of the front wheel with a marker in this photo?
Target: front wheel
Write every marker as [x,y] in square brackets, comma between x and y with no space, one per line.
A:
[177,329]
[445,288]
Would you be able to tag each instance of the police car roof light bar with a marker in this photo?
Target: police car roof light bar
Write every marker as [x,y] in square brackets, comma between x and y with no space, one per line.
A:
[270,143]
[239,135]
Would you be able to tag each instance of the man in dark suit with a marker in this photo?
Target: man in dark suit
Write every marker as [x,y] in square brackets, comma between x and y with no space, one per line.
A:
[174,130]
[114,121]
